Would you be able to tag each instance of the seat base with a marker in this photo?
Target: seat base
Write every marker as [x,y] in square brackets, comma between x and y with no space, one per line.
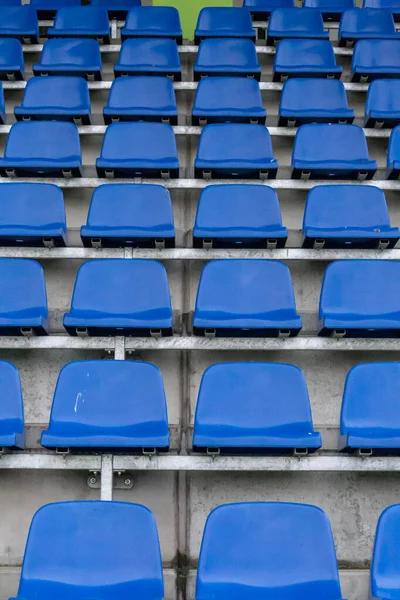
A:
[131,450]
[207,119]
[132,72]
[131,173]
[32,241]
[11,75]
[123,242]
[222,242]
[102,38]
[159,118]
[24,38]
[39,71]
[363,452]
[230,332]
[359,333]
[250,74]
[367,77]
[245,173]
[177,38]
[199,38]
[383,123]
[352,175]
[78,119]
[330,243]
[297,121]
[25,331]
[283,75]
[117,331]
[265,451]
[17,171]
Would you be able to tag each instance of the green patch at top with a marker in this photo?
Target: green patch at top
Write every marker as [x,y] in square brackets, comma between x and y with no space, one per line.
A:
[189,11]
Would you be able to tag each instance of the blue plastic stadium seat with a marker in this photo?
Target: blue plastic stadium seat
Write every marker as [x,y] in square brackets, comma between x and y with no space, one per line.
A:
[238,150]
[228,99]
[32,214]
[141,99]
[81,58]
[3,117]
[81,22]
[19,22]
[382,107]
[292,23]
[225,22]
[385,576]
[244,216]
[360,298]
[42,148]
[370,417]
[12,432]
[393,156]
[305,58]
[153,21]
[138,150]
[11,60]
[227,57]
[313,101]
[108,404]
[92,549]
[374,59]
[47,9]
[392,5]
[331,9]
[256,408]
[323,151]
[120,297]
[117,9]
[269,550]
[245,298]
[55,99]
[154,56]
[367,23]
[23,302]
[260,10]
[10,2]
[347,216]
[130,215]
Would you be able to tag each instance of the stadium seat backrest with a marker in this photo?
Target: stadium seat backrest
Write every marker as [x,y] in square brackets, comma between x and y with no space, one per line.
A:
[153,21]
[11,406]
[385,572]
[88,19]
[267,551]
[92,549]
[224,22]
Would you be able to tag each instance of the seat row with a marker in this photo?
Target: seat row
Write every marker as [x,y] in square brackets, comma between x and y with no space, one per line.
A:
[225,151]
[275,418]
[217,100]
[235,298]
[228,216]
[331,10]
[47,9]
[111,551]
[372,59]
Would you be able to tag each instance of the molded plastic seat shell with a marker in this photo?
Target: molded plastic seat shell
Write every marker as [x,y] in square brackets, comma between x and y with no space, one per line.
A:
[120,297]
[154,56]
[370,417]
[392,5]
[235,151]
[92,549]
[245,216]
[267,550]
[32,214]
[12,433]
[366,23]
[305,58]
[11,60]
[42,148]
[314,101]
[393,155]
[228,99]
[360,298]
[385,567]
[19,22]
[117,9]
[292,23]
[70,57]
[153,21]
[225,22]
[261,9]
[134,215]
[23,302]
[335,151]
[254,407]
[347,216]
[55,98]
[141,99]
[374,59]
[227,57]
[10,2]
[382,107]
[245,298]
[47,9]
[331,9]
[3,117]
[81,22]
[108,404]
[138,150]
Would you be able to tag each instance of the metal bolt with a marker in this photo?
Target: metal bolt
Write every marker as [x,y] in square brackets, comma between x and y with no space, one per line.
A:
[127,481]
[93,480]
